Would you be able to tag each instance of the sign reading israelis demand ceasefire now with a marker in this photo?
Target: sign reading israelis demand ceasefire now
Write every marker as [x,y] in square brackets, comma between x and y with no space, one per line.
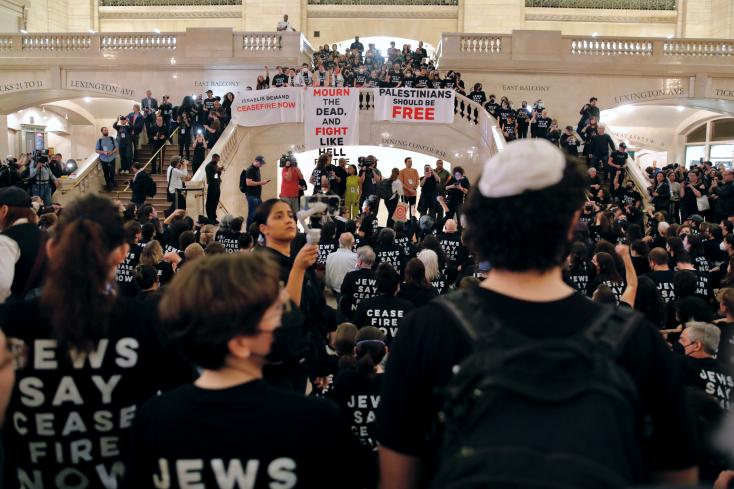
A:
[331,117]
[265,107]
[414,105]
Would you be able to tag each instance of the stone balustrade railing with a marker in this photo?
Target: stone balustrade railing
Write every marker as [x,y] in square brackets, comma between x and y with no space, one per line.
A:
[475,49]
[286,45]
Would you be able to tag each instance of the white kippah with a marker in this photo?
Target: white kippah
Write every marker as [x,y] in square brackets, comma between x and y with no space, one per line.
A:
[524,164]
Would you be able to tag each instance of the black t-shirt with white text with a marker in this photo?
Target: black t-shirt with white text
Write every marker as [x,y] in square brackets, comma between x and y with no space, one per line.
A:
[711,376]
[358,398]
[70,412]
[230,240]
[250,435]
[125,274]
[393,254]
[451,246]
[664,281]
[357,285]
[385,312]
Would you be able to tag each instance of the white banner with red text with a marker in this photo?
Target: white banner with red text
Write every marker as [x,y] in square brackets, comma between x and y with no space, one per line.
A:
[331,117]
[426,105]
[265,107]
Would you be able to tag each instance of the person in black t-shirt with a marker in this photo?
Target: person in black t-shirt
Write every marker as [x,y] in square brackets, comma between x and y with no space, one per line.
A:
[699,342]
[661,274]
[386,251]
[429,184]
[359,284]
[618,162]
[522,115]
[125,273]
[569,143]
[251,185]
[491,106]
[385,311]
[457,187]
[477,94]
[540,124]
[85,359]
[229,424]
[524,291]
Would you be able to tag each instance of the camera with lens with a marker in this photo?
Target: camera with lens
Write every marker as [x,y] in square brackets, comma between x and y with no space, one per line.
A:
[40,156]
[288,157]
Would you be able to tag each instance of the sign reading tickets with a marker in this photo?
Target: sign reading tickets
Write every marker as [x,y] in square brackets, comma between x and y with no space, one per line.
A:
[331,117]
[265,107]
[414,105]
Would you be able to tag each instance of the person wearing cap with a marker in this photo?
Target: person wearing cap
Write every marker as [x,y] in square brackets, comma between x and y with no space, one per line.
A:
[524,292]
[44,180]
[124,143]
[618,166]
[208,102]
[22,250]
[251,184]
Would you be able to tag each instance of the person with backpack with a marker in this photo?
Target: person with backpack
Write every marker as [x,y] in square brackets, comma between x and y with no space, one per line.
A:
[536,385]
[106,149]
[142,185]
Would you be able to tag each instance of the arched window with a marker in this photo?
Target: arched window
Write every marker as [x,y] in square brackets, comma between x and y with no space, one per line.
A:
[713,140]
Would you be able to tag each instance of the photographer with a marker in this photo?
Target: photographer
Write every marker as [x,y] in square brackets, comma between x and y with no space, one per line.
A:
[106,149]
[213,187]
[369,178]
[290,187]
[124,143]
[158,137]
[9,174]
[175,176]
[430,183]
[587,112]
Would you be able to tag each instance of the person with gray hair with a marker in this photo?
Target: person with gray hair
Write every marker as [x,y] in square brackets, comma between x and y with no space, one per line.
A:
[699,342]
[339,263]
[358,284]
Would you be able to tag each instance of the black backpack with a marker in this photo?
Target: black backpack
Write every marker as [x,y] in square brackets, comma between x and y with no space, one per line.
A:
[384,189]
[526,413]
[150,187]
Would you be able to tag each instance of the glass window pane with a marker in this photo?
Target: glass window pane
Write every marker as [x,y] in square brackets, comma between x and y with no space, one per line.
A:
[722,130]
[722,150]
[698,135]
[694,154]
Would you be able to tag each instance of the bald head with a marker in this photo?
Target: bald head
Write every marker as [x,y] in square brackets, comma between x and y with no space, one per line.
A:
[346,241]
[450,226]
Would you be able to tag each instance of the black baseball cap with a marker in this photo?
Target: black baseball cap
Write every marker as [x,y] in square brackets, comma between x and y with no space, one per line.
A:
[260,158]
[15,197]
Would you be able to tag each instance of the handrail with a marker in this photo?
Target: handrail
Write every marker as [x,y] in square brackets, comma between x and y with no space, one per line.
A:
[80,174]
[151,159]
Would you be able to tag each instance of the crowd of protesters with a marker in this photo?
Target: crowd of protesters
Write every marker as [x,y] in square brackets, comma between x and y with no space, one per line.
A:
[541,327]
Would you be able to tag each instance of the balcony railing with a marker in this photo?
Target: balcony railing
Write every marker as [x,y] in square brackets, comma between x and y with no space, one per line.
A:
[605,4]
[161,47]
[457,49]
[166,3]
[384,2]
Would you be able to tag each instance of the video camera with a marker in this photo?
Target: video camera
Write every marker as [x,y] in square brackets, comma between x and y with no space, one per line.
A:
[40,156]
[284,159]
[366,161]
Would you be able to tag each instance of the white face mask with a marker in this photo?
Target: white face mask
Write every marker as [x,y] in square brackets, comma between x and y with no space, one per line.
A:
[722,246]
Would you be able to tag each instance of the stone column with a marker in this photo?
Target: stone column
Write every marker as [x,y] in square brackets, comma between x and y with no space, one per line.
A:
[4,142]
[477,16]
